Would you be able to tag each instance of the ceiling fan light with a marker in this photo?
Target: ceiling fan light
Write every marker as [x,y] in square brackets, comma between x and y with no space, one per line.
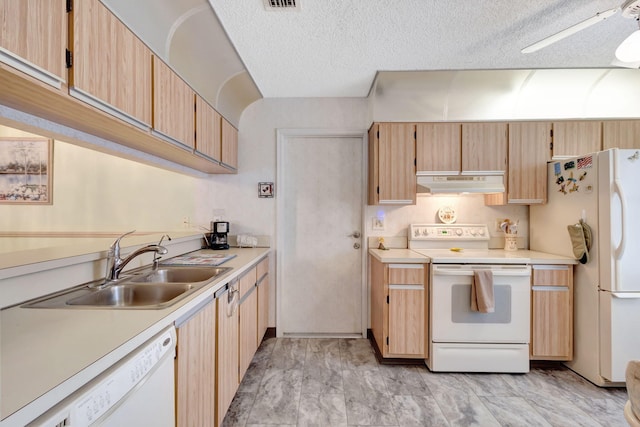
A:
[629,49]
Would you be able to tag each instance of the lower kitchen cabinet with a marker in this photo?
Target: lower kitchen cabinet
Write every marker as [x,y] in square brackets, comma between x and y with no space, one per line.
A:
[195,367]
[398,309]
[552,312]
[248,319]
[227,359]
[263,297]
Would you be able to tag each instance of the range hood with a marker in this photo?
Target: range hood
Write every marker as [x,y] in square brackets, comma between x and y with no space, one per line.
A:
[453,184]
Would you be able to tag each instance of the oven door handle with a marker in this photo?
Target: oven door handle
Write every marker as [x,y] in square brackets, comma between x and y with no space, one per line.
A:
[511,273]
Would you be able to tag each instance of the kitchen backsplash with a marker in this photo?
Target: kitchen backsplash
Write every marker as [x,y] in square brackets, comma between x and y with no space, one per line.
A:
[469,209]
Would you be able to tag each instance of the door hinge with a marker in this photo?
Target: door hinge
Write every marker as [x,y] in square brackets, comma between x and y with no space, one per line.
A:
[387,299]
[378,134]
[415,134]
[378,190]
[415,162]
[69,6]
[551,133]
[68,55]
[387,340]
[551,146]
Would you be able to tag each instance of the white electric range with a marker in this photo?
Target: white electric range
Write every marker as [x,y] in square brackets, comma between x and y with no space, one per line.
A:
[460,339]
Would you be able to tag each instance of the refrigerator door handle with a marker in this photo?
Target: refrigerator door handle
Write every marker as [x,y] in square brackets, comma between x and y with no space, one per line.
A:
[619,251]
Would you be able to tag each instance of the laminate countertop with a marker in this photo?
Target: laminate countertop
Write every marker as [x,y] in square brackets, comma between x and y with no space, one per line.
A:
[468,256]
[46,354]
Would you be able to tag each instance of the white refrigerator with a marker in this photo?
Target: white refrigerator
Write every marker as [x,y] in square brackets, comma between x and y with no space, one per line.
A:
[603,189]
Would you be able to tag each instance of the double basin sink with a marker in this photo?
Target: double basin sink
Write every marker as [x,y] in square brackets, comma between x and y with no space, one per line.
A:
[145,288]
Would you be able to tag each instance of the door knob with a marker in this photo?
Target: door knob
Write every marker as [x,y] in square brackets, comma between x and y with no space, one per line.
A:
[356,246]
[355,234]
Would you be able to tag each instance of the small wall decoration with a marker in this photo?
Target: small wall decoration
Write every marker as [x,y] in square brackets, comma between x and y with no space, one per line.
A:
[265,189]
[26,170]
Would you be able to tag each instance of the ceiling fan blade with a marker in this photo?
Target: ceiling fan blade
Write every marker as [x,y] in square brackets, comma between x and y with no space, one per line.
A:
[600,16]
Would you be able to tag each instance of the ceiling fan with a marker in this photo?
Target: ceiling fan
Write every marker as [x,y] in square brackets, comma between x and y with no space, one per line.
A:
[629,9]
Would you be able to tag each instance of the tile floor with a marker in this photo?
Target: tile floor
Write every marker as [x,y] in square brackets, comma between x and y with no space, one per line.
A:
[338,382]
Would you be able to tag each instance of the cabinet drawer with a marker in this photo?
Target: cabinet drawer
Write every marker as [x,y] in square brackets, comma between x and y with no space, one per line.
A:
[406,274]
[262,268]
[247,281]
[552,275]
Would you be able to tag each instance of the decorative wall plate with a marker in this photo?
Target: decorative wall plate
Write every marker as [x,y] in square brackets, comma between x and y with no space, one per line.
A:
[447,214]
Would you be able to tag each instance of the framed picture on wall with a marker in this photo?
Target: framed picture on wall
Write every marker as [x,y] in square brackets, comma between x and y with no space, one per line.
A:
[26,170]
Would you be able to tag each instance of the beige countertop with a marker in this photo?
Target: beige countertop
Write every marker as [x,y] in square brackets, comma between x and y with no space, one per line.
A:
[46,354]
[524,256]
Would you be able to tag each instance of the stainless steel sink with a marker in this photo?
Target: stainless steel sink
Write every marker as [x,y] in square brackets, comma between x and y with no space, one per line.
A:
[180,274]
[141,289]
[133,295]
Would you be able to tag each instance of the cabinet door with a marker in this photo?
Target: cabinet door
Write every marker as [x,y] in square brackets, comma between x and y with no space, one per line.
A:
[173,105]
[227,379]
[263,299]
[208,130]
[406,299]
[529,151]
[552,313]
[195,369]
[575,138]
[621,134]
[111,66]
[438,147]
[229,144]
[34,36]
[379,308]
[484,147]
[248,319]
[396,170]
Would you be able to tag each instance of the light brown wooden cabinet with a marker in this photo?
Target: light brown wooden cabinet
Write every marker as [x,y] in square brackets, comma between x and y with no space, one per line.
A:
[229,156]
[439,147]
[33,35]
[227,346]
[621,134]
[398,309]
[529,152]
[248,319]
[573,138]
[552,312]
[173,106]
[208,130]
[111,66]
[263,298]
[484,147]
[392,157]
[195,367]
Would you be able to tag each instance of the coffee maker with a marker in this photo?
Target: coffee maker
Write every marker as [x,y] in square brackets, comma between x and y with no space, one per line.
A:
[219,233]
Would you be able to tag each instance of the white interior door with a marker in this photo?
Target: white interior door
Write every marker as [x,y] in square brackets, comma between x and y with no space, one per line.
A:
[320,286]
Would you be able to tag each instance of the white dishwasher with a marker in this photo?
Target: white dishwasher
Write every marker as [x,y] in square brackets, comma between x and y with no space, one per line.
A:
[136,391]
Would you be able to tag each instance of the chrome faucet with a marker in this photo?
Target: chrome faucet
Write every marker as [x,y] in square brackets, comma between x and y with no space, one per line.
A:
[156,258]
[115,264]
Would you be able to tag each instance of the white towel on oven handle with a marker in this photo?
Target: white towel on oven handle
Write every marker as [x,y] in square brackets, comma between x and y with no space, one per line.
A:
[482,299]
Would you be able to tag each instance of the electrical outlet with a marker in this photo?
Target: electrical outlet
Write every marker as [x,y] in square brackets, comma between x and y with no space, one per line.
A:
[186,222]
[498,222]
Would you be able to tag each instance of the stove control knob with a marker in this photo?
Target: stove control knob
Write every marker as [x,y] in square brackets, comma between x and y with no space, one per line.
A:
[481,231]
[459,231]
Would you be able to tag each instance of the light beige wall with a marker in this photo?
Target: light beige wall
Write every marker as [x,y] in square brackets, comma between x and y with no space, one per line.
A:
[93,191]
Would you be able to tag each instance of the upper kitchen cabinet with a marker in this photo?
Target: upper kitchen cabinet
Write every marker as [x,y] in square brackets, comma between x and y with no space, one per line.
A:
[573,138]
[621,134]
[33,38]
[111,66]
[229,145]
[438,147]
[208,130]
[529,152]
[484,148]
[392,157]
[173,106]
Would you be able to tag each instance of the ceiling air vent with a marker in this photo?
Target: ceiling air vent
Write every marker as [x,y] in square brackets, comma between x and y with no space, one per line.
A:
[281,4]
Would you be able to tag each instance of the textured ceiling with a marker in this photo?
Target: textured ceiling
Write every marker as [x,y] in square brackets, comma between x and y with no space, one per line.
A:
[333,48]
